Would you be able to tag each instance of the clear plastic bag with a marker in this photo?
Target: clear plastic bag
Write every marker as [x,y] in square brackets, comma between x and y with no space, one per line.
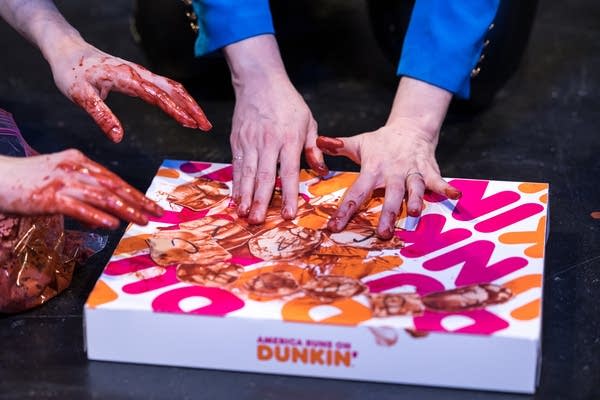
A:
[37,254]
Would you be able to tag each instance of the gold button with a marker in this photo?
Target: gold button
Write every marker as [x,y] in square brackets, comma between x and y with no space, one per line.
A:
[486,43]
[481,57]
[491,26]
[191,16]
[475,72]
[194,27]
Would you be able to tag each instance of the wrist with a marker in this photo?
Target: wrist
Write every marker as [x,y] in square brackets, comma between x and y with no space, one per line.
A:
[420,105]
[255,60]
[59,45]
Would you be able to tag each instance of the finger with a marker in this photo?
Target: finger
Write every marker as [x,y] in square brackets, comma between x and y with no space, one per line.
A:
[289,170]
[435,183]
[415,187]
[126,80]
[340,146]
[178,93]
[108,202]
[111,181]
[392,204]
[313,155]
[236,163]
[185,100]
[87,214]
[249,165]
[352,200]
[263,188]
[90,101]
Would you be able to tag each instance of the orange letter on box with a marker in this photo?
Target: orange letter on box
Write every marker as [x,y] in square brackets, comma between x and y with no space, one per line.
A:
[282,357]
[300,354]
[342,358]
[263,352]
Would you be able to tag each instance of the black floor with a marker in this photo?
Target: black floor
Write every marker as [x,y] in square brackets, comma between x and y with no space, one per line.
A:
[544,126]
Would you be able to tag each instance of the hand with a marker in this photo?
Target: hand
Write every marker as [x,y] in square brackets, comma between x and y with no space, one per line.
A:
[399,157]
[71,184]
[86,75]
[271,123]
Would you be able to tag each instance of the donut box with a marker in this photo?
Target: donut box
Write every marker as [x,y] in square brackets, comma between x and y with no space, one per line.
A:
[454,299]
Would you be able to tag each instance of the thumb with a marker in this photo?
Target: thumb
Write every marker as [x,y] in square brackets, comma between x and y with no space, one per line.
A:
[340,146]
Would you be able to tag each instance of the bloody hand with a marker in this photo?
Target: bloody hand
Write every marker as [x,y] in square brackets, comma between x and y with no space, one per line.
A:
[71,184]
[86,75]
[399,158]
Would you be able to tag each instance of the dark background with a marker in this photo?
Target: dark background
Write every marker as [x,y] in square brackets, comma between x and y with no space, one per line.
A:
[542,127]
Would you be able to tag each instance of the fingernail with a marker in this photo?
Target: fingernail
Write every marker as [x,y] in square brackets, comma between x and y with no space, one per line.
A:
[111,224]
[287,212]
[255,218]
[116,134]
[158,211]
[243,210]
[322,170]
[385,233]
[453,193]
[331,224]
[414,212]
[205,125]
[334,225]
[234,201]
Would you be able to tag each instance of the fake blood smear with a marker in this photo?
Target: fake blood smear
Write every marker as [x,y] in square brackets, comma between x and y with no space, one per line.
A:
[329,145]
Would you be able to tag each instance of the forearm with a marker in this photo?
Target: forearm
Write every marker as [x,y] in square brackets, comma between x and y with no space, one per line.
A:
[424,104]
[41,23]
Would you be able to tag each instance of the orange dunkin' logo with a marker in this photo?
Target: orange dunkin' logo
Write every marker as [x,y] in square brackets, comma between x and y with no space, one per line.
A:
[308,352]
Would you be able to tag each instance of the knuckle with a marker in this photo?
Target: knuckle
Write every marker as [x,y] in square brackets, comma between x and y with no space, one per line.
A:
[176,85]
[264,176]
[74,154]
[248,171]
[287,173]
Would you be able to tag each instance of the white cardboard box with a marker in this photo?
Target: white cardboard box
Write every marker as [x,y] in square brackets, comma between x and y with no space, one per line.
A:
[493,237]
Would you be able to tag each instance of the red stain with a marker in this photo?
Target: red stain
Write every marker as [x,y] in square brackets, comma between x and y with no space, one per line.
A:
[330,145]
[313,161]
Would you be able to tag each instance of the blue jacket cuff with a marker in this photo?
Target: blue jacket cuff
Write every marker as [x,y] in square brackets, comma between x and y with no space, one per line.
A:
[444,41]
[223,22]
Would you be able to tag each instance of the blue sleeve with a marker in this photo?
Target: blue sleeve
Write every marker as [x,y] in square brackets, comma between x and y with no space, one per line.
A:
[444,41]
[222,22]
